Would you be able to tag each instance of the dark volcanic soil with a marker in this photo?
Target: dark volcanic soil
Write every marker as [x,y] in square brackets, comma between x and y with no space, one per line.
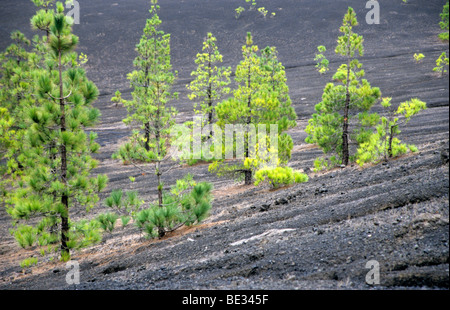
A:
[315,235]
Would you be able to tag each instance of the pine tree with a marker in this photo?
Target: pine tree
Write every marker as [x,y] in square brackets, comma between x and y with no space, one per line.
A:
[262,98]
[58,160]
[383,144]
[210,83]
[442,64]
[152,82]
[444,23]
[349,100]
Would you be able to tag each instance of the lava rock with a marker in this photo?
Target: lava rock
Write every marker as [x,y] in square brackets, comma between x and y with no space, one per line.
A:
[114,269]
[281,201]
[264,207]
[445,155]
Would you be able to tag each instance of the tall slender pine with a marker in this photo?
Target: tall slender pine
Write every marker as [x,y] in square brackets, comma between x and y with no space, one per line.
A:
[152,82]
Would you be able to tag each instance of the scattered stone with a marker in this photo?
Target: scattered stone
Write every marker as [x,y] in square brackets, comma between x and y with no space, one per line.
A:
[264,207]
[253,271]
[281,201]
[113,269]
[323,190]
[290,277]
[445,155]
[268,233]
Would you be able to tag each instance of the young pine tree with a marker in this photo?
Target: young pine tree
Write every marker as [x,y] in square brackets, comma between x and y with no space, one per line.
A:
[444,23]
[58,162]
[346,103]
[383,144]
[210,83]
[262,98]
[152,82]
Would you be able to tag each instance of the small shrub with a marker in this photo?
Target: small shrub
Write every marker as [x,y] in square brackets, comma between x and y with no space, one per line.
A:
[107,221]
[444,23]
[186,204]
[418,57]
[28,262]
[25,235]
[239,11]
[263,11]
[322,61]
[442,64]
[125,220]
[383,143]
[279,177]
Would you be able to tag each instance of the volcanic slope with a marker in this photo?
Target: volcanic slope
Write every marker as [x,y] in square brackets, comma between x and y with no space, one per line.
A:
[316,235]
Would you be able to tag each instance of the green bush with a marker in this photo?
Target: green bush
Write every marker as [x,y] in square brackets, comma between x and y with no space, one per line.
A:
[444,23]
[28,262]
[107,221]
[280,176]
[180,207]
[383,143]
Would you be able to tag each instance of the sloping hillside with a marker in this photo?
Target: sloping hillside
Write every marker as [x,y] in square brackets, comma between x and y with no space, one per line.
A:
[314,235]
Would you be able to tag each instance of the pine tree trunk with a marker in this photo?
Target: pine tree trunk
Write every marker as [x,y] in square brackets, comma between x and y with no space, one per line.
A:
[248,177]
[161,231]
[147,125]
[345,151]
[391,138]
[158,147]
[210,101]
[248,173]
[147,136]
[210,113]
[63,150]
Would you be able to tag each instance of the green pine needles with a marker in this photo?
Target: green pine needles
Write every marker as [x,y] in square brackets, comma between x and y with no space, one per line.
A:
[188,203]
[343,114]
[210,85]
[211,81]
[185,204]
[442,64]
[152,83]
[322,61]
[444,23]
[261,98]
[280,177]
[149,109]
[384,144]
[56,151]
